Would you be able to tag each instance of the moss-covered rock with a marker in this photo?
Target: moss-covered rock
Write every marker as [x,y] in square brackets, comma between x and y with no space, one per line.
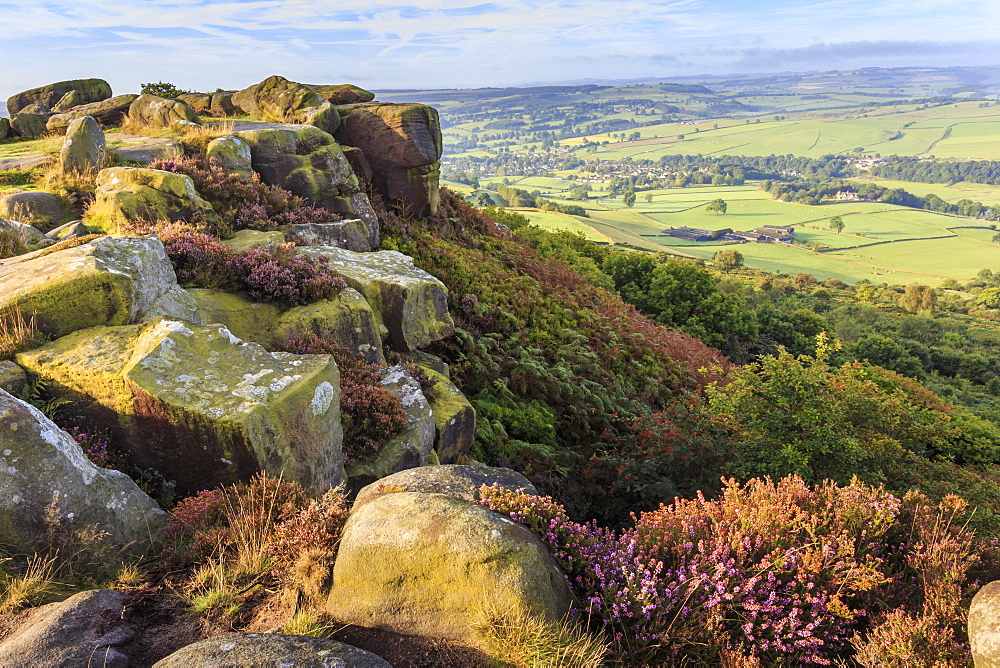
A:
[348,318]
[424,564]
[454,418]
[106,112]
[12,378]
[159,112]
[136,194]
[85,150]
[88,90]
[222,104]
[199,405]
[147,149]
[68,101]
[232,152]
[453,481]
[39,462]
[267,650]
[407,450]
[108,281]
[351,234]
[245,239]
[412,304]
[345,93]
[302,159]
[402,143]
[244,318]
[199,102]
[30,126]
[280,100]
[30,235]
[5,130]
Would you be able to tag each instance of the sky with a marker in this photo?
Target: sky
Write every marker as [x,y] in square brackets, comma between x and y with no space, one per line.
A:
[377,44]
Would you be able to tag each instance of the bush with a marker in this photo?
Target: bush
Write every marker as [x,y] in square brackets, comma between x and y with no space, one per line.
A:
[244,202]
[779,573]
[162,89]
[271,274]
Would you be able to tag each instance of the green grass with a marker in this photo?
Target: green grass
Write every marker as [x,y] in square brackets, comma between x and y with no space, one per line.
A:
[561,222]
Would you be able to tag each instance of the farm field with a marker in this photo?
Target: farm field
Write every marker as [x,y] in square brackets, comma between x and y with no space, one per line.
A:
[561,222]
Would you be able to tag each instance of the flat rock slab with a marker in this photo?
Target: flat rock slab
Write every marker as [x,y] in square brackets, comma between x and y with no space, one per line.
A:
[108,281]
[199,405]
[412,304]
[148,149]
[270,650]
[83,630]
[40,461]
[27,162]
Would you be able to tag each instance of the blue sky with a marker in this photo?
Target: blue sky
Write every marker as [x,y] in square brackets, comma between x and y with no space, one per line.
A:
[209,44]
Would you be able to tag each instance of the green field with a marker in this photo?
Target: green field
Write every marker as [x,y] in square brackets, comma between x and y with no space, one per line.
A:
[561,222]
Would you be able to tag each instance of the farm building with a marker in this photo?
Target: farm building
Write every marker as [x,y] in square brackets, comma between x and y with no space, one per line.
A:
[691,233]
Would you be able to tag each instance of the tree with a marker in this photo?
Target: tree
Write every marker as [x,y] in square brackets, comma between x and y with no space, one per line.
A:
[918,298]
[717,206]
[837,224]
[649,199]
[996,238]
[484,199]
[728,259]
[161,89]
[629,199]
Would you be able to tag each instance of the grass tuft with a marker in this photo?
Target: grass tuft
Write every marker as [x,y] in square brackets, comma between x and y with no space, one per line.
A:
[527,641]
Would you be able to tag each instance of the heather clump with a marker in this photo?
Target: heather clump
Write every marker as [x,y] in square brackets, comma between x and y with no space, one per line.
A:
[244,202]
[780,573]
[269,274]
[371,414]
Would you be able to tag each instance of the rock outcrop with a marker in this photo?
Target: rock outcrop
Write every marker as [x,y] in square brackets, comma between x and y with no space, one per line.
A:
[402,143]
[199,405]
[199,102]
[412,304]
[160,112]
[109,281]
[87,90]
[280,100]
[425,564]
[453,481]
[267,650]
[148,149]
[85,150]
[347,318]
[30,126]
[352,235]
[28,234]
[344,94]
[137,194]
[84,630]
[43,465]
[106,112]
[232,153]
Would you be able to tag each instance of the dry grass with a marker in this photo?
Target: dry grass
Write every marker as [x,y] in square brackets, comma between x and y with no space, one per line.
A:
[35,585]
[17,334]
[308,624]
[526,641]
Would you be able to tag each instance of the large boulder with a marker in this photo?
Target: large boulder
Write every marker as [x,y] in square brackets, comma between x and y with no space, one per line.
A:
[454,418]
[199,102]
[68,101]
[147,149]
[84,630]
[352,234]
[222,104]
[159,112]
[136,194]
[984,626]
[43,464]
[106,112]
[346,317]
[199,405]
[34,208]
[344,93]
[302,159]
[232,152]
[85,150]
[108,281]
[5,130]
[30,126]
[402,143]
[426,565]
[407,450]
[267,650]
[412,304]
[278,99]
[453,481]
[88,90]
